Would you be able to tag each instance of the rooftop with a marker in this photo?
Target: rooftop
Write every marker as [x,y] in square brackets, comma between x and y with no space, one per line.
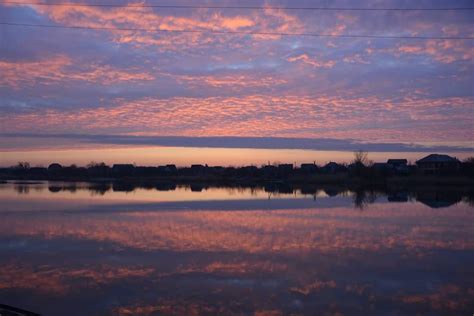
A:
[397,161]
[437,158]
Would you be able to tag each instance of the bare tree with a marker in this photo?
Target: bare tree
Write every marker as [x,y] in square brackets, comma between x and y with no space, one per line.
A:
[361,157]
[24,165]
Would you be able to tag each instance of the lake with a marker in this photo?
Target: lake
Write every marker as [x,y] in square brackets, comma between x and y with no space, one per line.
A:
[116,249]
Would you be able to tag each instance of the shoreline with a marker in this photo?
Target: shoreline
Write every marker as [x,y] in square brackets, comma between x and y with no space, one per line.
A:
[339,180]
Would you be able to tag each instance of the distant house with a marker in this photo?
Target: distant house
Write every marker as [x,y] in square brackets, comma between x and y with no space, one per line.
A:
[285,169]
[333,167]
[167,170]
[197,169]
[248,171]
[436,163]
[123,169]
[400,166]
[396,163]
[269,170]
[98,170]
[171,168]
[309,167]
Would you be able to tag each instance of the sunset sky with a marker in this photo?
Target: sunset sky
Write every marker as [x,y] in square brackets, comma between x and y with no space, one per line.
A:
[101,94]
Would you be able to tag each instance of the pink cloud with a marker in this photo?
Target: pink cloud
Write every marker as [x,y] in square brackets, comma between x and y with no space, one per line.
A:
[445,51]
[233,82]
[59,68]
[355,59]
[259,115]
[145,18]
[304,58]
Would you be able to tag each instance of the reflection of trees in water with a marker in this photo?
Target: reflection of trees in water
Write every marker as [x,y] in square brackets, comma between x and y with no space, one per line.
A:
[398,196]
[39,188]
[362,198]
[434,198]
[99,189]
[237,190]
[71,188]
[309,190]
[22,188]
[26,188]
[254,191]
[333,191]
[196,188]
[439,198]
[469,200]
[165,186]
[123,187]
[279,188]
[54,188]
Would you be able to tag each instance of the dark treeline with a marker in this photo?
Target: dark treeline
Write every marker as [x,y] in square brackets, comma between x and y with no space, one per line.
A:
[439,168]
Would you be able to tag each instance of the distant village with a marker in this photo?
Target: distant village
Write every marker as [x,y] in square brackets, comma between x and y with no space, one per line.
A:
[433,165]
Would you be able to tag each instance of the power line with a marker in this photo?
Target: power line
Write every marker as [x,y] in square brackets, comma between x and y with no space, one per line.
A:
[234,7]
[104,28]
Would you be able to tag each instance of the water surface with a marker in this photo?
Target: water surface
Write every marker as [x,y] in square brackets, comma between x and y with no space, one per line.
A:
[103,249]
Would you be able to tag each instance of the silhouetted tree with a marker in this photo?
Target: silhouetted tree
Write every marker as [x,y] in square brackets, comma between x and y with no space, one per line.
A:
[358,165]
[467,167]
[23,165]
[94,164]
[469,160]
[360,158]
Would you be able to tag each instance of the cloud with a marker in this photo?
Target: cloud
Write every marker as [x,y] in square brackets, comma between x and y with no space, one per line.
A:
[234,81]
[325,144]
[312,62]
[151,83]
[18,74]
[148,18]
[372,119]
[446,51]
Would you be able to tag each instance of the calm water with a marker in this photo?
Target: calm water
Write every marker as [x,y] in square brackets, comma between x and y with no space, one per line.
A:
[83,249]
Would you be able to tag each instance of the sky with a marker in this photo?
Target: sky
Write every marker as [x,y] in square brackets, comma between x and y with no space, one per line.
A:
[83,90]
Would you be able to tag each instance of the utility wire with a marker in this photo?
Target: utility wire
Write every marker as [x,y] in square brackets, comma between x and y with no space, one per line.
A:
[233,7]
[105,28]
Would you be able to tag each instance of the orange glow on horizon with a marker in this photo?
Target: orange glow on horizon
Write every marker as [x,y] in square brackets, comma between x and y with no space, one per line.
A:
[185,156]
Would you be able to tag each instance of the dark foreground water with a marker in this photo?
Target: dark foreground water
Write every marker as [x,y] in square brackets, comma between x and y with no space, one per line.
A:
[81,249]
